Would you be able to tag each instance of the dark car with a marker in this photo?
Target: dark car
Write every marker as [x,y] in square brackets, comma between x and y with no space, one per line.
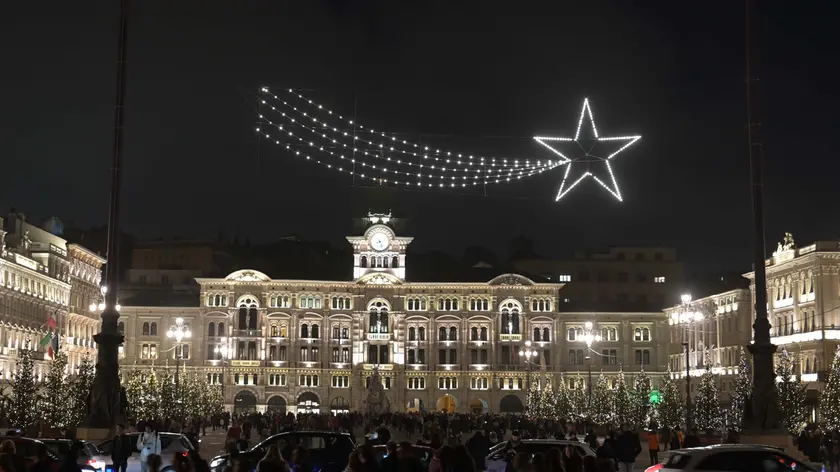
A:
[329,451]
[27,448]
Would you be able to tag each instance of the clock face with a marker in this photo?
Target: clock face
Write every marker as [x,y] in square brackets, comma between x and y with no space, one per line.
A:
[379,242]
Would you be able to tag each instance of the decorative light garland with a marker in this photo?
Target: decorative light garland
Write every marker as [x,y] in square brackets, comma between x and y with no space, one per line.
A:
[393,140]
[586,111]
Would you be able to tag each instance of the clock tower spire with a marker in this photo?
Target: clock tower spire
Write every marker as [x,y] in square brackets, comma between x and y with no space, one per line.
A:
[379,250]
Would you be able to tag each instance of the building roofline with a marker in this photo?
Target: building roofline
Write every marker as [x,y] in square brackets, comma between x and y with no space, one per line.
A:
[88,252]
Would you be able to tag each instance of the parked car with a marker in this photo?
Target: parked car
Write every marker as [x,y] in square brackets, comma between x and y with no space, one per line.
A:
[89,455]
[499,457]
[730,457]
[170,444]
[28,449]
[328,450]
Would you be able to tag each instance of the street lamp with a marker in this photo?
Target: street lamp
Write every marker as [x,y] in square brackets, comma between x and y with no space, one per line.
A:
[224,353]
[590,336]
[528,354]
[99,307]
[686,317]
[179,331]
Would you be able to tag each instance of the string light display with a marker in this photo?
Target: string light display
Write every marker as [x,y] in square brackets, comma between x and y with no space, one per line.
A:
[583,155]
[315,133]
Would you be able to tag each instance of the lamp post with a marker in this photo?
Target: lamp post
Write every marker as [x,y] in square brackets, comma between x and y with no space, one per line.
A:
[589,337]
[179,331]
[685,318]
[528,354]
[224,353]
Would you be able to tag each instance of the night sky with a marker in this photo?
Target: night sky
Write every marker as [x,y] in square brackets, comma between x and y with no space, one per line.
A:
[482,78]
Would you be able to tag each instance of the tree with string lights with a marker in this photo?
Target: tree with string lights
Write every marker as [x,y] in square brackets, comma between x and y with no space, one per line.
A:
[741,392]
[671,410]
[578,400]
[546,405]
[707,415]
[24,402]
[55,397]
[830,397]
[80,388]
[603,404]
[562,401]
[791,393]
[641,399]
[623,413]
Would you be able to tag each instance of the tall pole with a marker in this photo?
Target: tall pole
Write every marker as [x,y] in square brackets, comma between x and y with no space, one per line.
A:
[688,416]
[106,400]
[764,386]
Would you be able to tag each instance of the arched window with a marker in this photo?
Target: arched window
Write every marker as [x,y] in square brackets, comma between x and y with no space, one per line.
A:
[363,261]
[304,330]
[453,334]
[421,333]
[412,334]
[221,330]
[474,334]
[645,334]
[153,329]
[442,334]
[411,357]
[383,321]
[484,333]
[395,262]
[211,329]
[537,334]
[121,327]
[373,354]
[637,334]
[572,357]
[315,331]
[546,334]
[273,331]
[808,366]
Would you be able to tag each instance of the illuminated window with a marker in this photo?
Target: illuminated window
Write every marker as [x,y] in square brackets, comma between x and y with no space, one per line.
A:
[659,280]
[565,278]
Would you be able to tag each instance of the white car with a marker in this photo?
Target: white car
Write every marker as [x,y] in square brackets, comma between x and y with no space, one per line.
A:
[730,458]
[497,460]
[170,444]
[90,457]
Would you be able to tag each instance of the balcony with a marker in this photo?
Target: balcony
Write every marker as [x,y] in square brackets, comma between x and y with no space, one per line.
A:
[247,333]
[340,365]
[510,337]
[479,367]
[339,341]
[275,363]
[309,364]
[447,366]
[244,363]
[378,336]
[417,367]
[382,367]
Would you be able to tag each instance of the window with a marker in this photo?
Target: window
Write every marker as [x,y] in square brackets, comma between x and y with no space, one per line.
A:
[479,383]
[340,303]
[453,356]
[576,356]
[153,329]
[421,333]
[221,329]
[564,278]
[341,381]
[609,334]
[310,301]
[474,333]
[641,334]
[537,334]
[541,305]
[642,357]
[453,334]
[574,334]
[415,304]
[280,301]
[659,280]
[442,333]
[121,327]
[277,379]
[447,383]
[609,357]
[510,318]
[211,329]
[148,351]
[546,334]
[378,318]
[304,330]
[345,354]
[479,304]
[483,333]
[182,351]
[441,356]
[447,304]
[145,328]
[416,383]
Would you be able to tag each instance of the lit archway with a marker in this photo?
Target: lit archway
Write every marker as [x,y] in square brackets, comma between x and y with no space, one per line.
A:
[245,402]
[479,406]
[339,405]
[308,402]
[511,404]
[415,405]
[447,404]
[277,404]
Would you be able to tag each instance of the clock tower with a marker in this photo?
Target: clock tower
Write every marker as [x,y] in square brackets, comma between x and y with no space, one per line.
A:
[379,250]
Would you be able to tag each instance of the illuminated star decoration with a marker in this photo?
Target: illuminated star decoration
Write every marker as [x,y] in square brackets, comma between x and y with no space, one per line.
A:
[584,156]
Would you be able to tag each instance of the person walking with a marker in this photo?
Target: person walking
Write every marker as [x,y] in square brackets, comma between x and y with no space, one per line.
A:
[653,446]
[121,449]
[628,448]
[148,443]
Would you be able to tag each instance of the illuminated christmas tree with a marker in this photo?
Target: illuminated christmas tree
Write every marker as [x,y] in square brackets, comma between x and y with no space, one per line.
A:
[24,412]
[562,402]
[791,393]
[830,397]
[741,392]
[546,408]
[56,393]
[622,415]
[167,394]
[641,400]
[151,399]
[80,388]
[707,414]
[578,398]
[133,395]
[603,405]
[671,410]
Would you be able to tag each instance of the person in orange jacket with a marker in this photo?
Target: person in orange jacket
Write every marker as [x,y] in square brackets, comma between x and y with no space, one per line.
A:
[653,446]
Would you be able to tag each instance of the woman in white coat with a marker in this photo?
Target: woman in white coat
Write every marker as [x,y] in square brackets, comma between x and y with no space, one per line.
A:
[148,443]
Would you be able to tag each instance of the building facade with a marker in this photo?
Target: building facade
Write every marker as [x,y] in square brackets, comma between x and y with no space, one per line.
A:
[41,276]
[305,345]
[803,293]
[718,324]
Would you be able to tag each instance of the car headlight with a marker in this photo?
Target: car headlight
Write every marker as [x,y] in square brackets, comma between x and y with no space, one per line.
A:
[217,462]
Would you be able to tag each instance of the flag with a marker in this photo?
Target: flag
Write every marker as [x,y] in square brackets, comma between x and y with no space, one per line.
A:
[51,338]
[53,350]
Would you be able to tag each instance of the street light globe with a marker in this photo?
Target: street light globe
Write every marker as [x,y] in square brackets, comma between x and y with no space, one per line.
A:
[597,338]
[179,320]
[588,325]
[118,306]
[170,333]
[92,307]
[698,316]
[521,353]
[527,344]
[102,306]
[686,298]
[188,334]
